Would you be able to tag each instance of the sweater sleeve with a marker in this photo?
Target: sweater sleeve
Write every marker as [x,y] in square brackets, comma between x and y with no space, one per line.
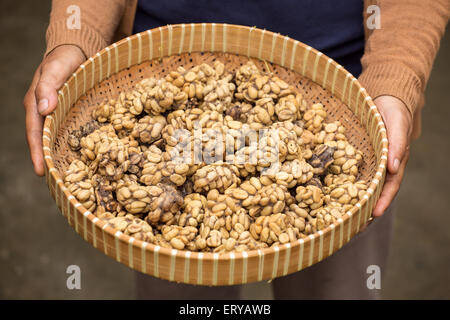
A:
[398,56]
[98,21]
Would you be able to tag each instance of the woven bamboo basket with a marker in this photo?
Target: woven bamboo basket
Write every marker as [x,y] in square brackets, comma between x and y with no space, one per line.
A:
[155,53]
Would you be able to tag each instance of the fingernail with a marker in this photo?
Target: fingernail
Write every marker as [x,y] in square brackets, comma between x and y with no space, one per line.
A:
[43,105]
[396,165]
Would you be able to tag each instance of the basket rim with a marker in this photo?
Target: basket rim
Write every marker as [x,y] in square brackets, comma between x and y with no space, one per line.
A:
[374,183]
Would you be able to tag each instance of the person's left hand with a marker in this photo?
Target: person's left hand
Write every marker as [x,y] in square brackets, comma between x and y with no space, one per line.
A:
[398,122]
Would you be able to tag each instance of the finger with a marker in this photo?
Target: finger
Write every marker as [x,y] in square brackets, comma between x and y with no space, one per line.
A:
[390,189]
[34,126]
[58,66]
[34,122]
[364,226]
[397,127]
[398,141]
[52,78]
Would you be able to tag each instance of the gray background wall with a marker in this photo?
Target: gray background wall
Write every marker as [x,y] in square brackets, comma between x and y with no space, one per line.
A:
[37,244]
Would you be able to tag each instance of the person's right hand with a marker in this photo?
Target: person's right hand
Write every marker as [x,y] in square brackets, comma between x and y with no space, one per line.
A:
[41,98]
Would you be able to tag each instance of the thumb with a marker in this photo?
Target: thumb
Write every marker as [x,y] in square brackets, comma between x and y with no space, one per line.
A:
[51,80]
[397,119]
[55,69]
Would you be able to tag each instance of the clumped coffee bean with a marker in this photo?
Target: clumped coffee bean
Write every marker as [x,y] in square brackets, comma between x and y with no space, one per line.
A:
[215,176]
[309,197]
[73,140]
[290,108]
[314,118]
[77,180]
[104,194]
[104,111]
[292,173]
[346,193]
[132,226]
[347,159]
[148,129]
[158,96]
[321,159]
[138,171]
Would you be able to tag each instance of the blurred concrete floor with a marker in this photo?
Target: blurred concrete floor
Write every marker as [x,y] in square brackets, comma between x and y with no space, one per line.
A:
[37,244]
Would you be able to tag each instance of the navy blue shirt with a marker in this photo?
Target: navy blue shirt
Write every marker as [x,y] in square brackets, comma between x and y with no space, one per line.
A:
[331,26]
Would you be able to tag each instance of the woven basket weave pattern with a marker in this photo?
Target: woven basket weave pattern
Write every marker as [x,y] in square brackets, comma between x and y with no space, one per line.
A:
[155,53]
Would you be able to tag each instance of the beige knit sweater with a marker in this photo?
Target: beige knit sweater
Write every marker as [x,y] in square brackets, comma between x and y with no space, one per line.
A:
[397,60]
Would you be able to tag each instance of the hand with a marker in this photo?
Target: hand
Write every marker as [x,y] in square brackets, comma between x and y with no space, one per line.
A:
[398,121]
[41,98]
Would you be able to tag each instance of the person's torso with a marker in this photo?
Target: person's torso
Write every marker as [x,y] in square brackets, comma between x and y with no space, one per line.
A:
[333,27]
